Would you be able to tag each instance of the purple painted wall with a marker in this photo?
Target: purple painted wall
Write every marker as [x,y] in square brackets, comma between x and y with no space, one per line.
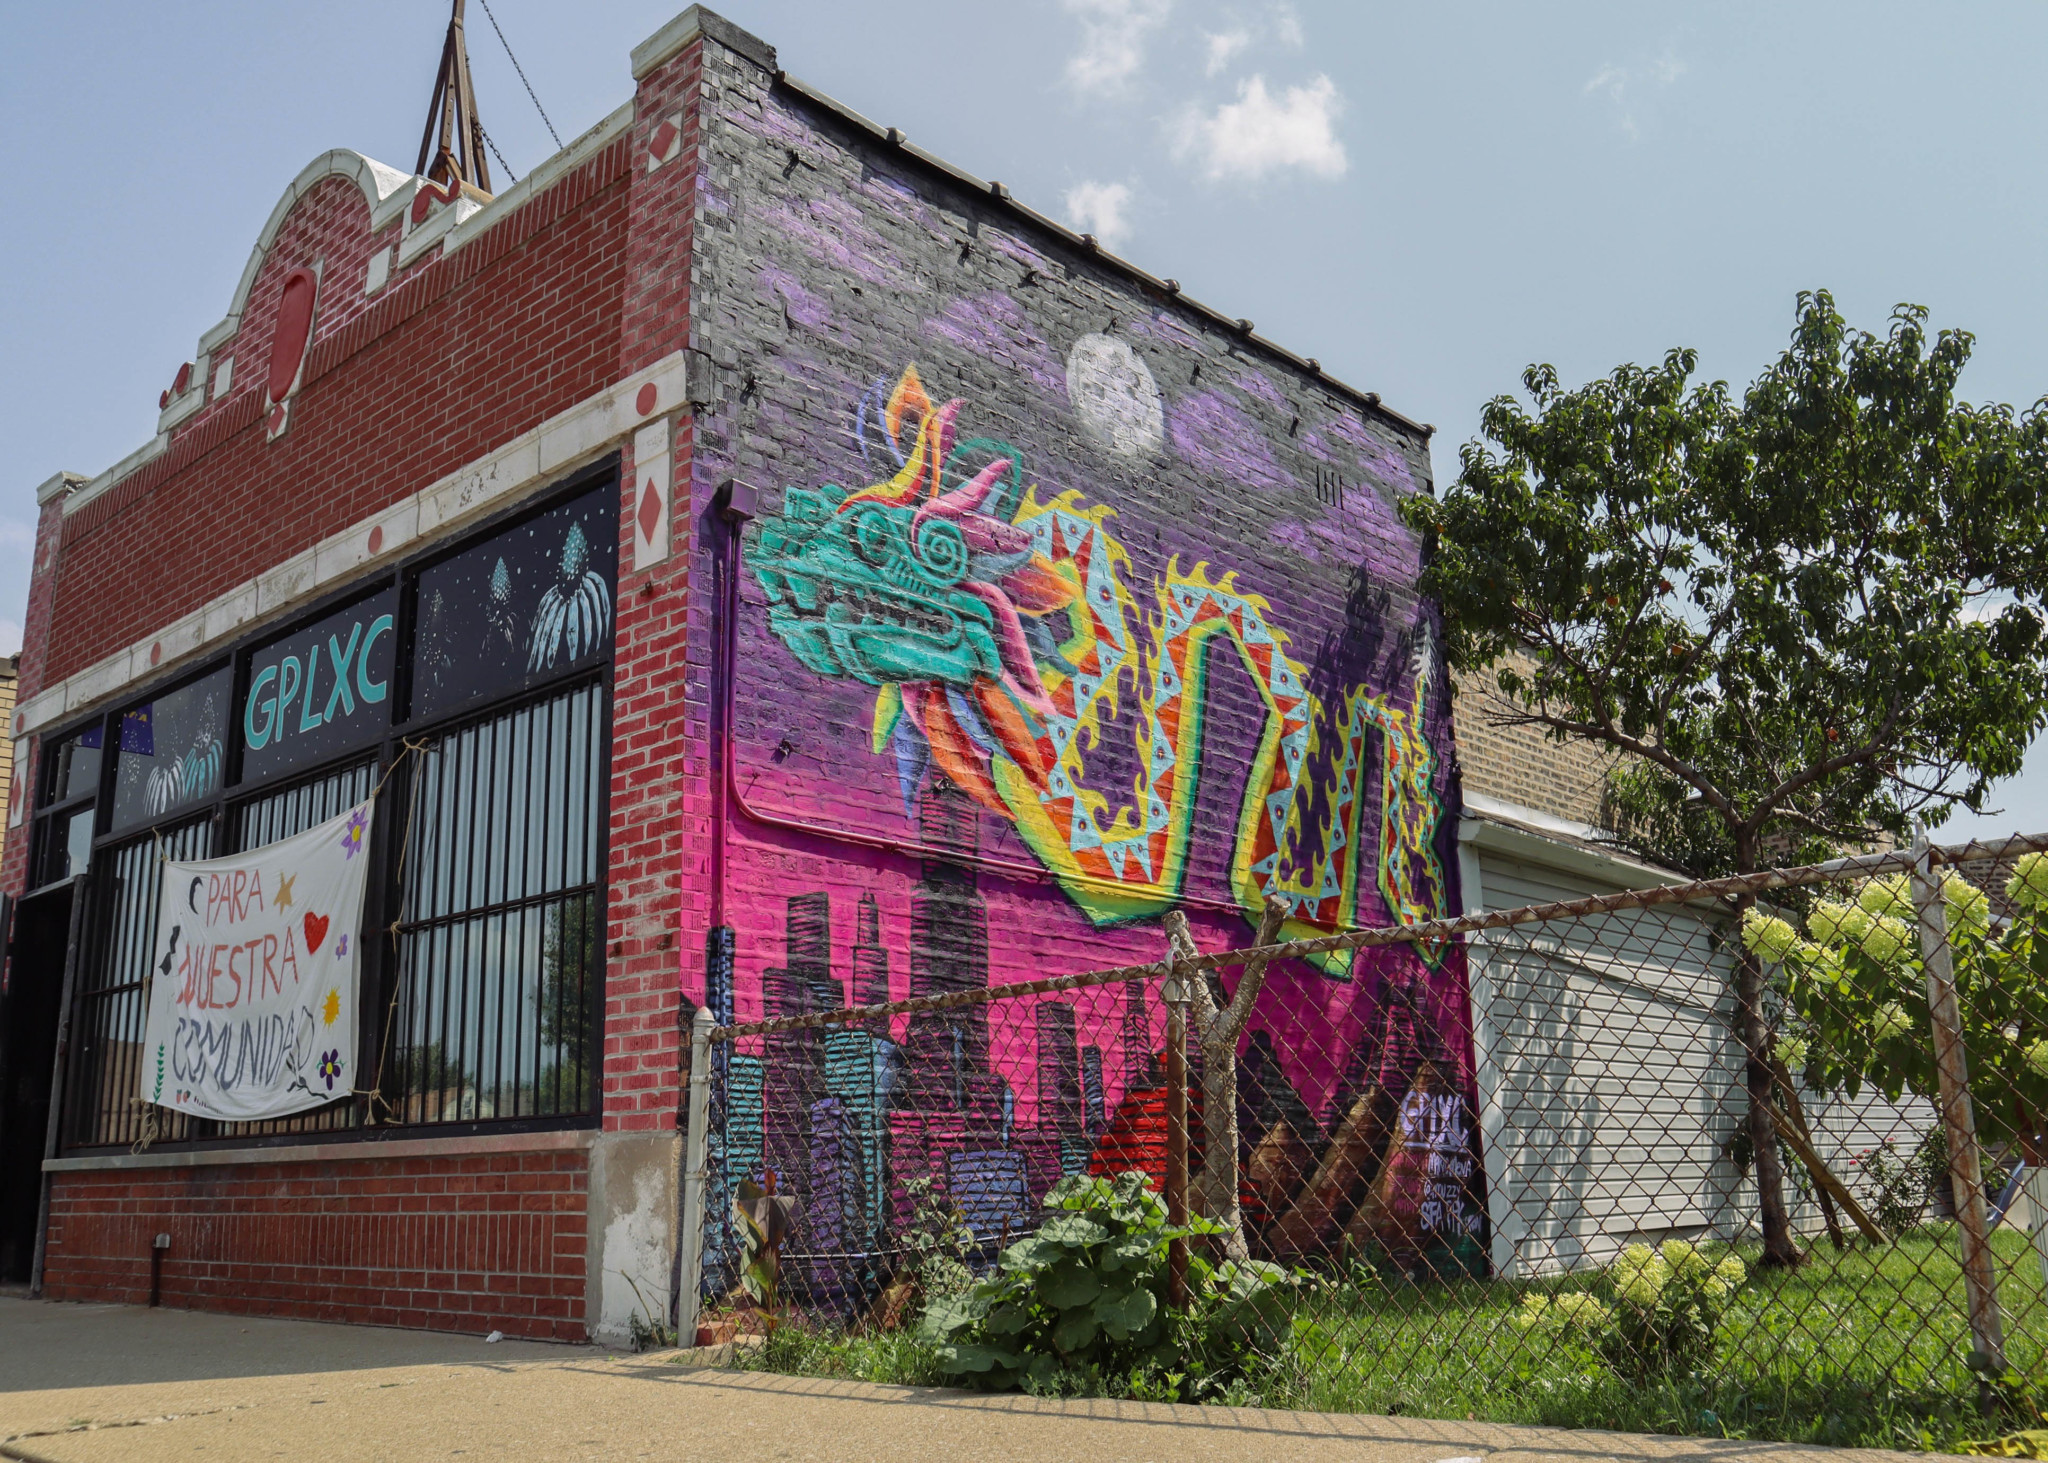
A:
[1060,609]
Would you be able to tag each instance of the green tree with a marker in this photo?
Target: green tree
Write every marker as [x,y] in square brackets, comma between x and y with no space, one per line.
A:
[1806,616]
[1856,995]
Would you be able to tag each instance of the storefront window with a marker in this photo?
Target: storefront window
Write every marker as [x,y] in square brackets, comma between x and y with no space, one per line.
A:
[172,751]
[74,767]
[526,606]
[471,692]
[322,692]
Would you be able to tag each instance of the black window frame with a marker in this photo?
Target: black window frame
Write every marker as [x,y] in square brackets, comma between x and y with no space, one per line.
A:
[383,903]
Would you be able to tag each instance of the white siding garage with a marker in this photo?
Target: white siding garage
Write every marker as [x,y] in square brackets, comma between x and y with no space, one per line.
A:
[1609,1074]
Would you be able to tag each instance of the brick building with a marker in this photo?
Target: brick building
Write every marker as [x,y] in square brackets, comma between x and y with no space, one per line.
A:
[794,573]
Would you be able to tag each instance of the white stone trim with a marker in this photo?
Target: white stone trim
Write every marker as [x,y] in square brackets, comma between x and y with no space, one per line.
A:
[146,453]
[435,227]
[665,42]
[194,397]
[361,1150]
[57,484]
[526,463]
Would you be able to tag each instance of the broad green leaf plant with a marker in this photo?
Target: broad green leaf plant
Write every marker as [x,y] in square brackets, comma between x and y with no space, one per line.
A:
[1856,994]
[1082,1302]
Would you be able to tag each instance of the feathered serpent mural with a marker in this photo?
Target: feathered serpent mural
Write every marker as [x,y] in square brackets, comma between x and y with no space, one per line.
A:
[1000,630]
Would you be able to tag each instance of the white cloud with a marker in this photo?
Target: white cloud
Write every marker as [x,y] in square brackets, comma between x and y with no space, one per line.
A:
[1101,209]
[10,636]
[1260,134]
[1287,26]
[1626,86]
[1223,46]
[1113,38]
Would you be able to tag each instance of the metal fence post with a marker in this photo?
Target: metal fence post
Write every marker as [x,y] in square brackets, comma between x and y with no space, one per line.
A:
[1175,994]
[1958,1119]
[691,1257]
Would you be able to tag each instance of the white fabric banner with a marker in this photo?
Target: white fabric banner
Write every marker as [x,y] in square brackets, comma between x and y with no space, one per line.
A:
[252,1005]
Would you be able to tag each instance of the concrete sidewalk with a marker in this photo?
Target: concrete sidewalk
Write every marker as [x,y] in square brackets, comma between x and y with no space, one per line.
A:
[94,1384]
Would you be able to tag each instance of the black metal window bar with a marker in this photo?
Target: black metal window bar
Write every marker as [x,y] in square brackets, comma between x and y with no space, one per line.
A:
[113,994]
[500,931]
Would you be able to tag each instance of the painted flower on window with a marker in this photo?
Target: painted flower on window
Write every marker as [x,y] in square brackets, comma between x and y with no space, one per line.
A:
[330,1067]
[575,612]
[499,616]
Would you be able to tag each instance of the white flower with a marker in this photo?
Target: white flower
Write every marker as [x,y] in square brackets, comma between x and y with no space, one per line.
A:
[1892,895]
[1886,939]
[1639,1275]
[1969,907]
[1835,923]
[1767,935]
[2028,886]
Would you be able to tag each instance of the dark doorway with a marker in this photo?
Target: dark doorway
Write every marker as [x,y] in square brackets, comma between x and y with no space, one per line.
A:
[29,1006]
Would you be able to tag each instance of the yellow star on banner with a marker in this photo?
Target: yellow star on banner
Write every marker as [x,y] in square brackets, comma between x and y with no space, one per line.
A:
[332,1008]
[284,891]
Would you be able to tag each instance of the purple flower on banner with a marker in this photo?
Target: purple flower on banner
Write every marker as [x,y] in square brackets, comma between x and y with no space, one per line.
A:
[352,836]
[330,1067]
[341,948]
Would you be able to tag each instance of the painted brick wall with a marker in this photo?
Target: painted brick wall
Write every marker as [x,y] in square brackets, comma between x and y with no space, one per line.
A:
[916,801]
[477,1243]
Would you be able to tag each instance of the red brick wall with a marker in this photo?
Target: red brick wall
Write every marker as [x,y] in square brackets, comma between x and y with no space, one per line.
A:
[463,355]
[493,1241]
[584,285]
[651,782]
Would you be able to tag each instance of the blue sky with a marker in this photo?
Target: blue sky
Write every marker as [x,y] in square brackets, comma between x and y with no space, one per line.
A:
[1427,198]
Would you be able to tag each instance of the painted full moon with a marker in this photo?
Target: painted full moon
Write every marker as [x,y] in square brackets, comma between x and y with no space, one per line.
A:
[1113,390]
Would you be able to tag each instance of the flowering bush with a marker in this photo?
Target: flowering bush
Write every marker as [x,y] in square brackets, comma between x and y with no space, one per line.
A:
[1666,1303]
[1855,994]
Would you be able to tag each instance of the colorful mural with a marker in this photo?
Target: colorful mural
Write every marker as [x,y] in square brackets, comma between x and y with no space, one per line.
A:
[1000,628]
[995,672]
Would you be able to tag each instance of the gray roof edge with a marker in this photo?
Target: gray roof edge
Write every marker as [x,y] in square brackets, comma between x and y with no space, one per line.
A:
[999,195]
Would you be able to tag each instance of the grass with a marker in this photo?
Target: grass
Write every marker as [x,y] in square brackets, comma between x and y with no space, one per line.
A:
[1868,1348]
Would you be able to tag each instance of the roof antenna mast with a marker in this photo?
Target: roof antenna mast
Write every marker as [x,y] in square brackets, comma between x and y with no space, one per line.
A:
[452,147]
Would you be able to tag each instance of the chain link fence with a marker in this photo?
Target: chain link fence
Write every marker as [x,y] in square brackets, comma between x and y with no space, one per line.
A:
[1759,1156]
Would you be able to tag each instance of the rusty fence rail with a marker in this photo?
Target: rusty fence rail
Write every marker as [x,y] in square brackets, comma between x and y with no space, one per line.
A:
[1743,1155]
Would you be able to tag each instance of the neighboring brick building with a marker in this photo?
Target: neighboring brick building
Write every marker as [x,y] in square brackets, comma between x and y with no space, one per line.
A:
[851,582]
[1522,765]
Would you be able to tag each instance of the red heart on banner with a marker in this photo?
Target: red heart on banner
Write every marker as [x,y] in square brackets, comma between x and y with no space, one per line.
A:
[316,931]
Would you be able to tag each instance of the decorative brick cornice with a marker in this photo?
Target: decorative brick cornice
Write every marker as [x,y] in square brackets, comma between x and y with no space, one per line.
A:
[523,465]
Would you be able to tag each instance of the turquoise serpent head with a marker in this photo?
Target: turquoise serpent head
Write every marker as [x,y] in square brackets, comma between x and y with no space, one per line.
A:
[870,594]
